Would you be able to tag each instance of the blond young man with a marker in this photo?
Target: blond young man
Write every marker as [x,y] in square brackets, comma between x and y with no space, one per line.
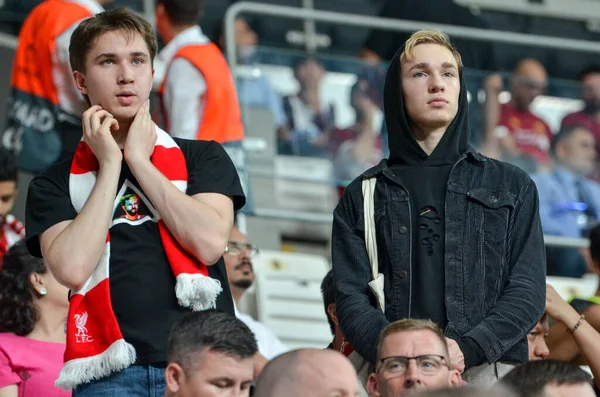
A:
[459,239]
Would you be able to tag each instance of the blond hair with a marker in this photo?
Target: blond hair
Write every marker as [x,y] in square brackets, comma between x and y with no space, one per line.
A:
[411,324]
[428,37]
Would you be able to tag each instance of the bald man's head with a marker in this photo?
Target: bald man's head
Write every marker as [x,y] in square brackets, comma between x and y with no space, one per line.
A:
[308,372]
[529,81]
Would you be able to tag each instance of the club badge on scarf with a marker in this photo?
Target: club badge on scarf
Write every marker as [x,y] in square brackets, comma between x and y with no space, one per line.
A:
[95,346]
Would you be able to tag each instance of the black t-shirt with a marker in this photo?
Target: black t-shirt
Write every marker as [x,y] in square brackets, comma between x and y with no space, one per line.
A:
[427,190]
[142,284]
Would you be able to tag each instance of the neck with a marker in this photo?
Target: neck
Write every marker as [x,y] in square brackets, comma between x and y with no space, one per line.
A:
[121,135]
[519,106]
[51,324]
[174,32]
[338,339]
[237,294]
[428,139]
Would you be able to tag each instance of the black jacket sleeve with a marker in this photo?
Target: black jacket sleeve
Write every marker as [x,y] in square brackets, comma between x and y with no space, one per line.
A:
[360,320]
[523,299]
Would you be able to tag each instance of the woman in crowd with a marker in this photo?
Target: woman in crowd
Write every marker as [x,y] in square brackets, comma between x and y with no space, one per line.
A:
[33,312]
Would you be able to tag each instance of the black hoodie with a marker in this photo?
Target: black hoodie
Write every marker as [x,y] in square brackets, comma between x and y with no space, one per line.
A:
[425,177]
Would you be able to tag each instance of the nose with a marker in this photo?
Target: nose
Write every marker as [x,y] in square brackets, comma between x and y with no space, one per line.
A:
[245,254]
[412,374]
[436,83]
[542,351]
[126,75]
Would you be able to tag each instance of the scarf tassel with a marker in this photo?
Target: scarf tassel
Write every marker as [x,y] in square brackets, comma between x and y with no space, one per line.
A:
[197,291]
[84,370]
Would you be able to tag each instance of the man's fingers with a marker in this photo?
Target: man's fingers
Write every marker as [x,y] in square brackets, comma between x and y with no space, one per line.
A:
[96,119]
[86,118]
[114,126]
[107,123]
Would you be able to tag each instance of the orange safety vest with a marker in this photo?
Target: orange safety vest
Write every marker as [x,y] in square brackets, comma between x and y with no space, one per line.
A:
[222,119]
[36,126]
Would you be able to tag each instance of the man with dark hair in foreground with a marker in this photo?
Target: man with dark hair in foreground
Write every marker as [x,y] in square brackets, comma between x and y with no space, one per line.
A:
[210,354]
[549,378]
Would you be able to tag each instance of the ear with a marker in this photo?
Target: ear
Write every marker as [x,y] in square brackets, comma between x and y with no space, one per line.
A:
[80,82]
[373,386]
[332,314]
[174,377]
[455,378]
[36,282]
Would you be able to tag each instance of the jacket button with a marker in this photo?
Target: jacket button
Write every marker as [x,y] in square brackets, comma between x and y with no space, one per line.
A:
[403,274]
[403,229]
[494,199]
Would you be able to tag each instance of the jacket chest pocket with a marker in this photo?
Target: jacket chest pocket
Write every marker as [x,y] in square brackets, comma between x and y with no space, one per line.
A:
[490,211]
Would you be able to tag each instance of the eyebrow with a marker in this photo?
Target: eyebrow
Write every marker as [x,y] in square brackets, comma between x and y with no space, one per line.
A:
[113,55]
[425,65]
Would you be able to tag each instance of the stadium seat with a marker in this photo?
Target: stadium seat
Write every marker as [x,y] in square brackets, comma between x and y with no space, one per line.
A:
[569,288]
[288,297]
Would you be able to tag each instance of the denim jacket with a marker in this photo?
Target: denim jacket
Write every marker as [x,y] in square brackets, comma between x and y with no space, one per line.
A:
[495,263]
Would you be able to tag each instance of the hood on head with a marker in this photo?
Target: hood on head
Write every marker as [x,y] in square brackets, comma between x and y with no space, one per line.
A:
[404,148]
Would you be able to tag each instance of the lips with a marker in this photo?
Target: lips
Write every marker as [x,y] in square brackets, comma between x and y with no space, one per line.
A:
[437,102]
[126,97]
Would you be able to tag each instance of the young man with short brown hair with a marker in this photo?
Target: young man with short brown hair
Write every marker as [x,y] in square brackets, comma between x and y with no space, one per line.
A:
[131,278]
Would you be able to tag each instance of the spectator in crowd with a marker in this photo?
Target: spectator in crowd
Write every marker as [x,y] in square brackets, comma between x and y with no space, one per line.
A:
[339,343]
[197,96]
[573,337]
[254,88]
[358,147]
[412,355]
[589,116]
[33,312]
[545,378]
[308,372]
[240,273]
[310,120]
[210,354]
[328,292]
[536,340]
[442,211]
[44,110]
[136,268]
[569,200]
[513,132]
[11,229]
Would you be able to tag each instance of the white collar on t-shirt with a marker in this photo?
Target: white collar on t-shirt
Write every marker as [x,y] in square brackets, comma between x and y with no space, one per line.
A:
[189,36]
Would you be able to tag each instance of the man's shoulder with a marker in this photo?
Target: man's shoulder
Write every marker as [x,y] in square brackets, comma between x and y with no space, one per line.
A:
[506,176]
[58,171]
[197,146]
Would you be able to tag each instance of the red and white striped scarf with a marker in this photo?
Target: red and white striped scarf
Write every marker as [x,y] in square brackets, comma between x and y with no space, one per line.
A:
[95,346]
[11,232]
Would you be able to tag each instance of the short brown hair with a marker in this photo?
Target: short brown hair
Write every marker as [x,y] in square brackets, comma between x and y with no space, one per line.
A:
[428,37]
[121,19]
[411,324]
